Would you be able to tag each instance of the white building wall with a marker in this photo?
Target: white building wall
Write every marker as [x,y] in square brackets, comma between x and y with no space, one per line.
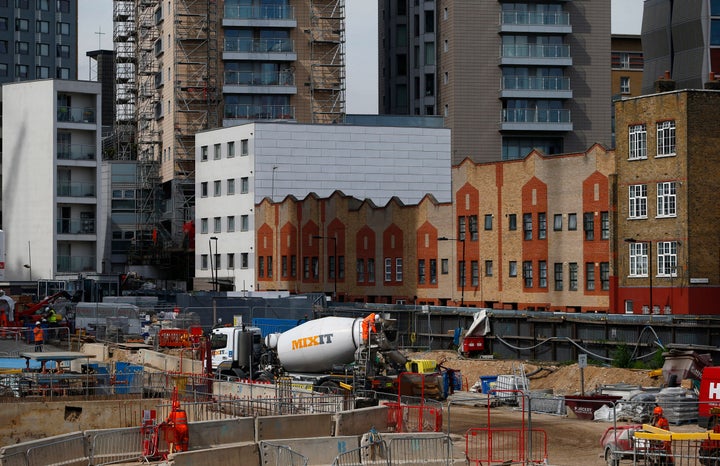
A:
[368,162]
[30,180]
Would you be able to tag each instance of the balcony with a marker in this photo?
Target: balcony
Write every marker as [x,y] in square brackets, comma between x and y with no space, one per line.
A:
[525,21]
[259,16]
[536,87]
[535,54]
[75,226]
[76,152]
[75,264]
[76,189]
[535,119]
[259,49]
[249,82]
[76,114]
[259,112]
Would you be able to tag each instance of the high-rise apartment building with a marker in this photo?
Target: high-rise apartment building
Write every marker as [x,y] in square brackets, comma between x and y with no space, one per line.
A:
[507,76]
[185,66]
[38,39]
[682,39]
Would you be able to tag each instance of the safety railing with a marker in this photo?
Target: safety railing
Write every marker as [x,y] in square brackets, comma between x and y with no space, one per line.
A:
[116,445]
[272,453]
[375,454]
[487,445]
[67,450]
[430,450]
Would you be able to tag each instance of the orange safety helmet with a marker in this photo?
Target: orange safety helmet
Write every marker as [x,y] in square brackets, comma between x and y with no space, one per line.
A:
[658,410]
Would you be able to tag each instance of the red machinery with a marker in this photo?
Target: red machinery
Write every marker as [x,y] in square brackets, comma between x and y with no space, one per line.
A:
[35,312]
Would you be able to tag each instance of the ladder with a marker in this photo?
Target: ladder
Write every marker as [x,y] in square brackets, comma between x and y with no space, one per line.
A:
[360,369]
[520,378]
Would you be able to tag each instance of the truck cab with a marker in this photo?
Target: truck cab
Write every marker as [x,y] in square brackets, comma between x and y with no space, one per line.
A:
[236,351]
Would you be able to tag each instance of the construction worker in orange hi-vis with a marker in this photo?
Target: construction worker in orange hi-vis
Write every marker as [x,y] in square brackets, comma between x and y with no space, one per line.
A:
[368,324]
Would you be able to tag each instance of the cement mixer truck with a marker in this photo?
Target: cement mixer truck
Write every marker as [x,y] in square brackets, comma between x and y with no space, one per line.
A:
[334,353]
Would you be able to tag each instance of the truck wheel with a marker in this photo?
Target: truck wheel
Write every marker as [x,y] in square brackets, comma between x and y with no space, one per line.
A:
[330,386]
[610,457]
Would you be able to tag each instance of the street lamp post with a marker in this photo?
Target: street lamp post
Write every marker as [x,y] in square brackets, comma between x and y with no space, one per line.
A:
[462,264]
[213,268]
[650,272]
[335,275]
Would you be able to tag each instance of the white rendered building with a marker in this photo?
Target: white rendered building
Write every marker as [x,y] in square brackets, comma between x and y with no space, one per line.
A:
[52,217]
[239,166]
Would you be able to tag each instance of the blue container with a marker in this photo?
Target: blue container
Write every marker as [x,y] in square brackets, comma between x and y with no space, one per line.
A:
[487,383]
[268,325]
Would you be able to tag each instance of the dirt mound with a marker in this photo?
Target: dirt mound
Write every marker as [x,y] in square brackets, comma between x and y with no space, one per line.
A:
[562,380]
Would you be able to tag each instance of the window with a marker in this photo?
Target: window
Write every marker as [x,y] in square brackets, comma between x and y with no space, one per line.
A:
[398,269]
[217,261]
[42,27]
[605,276]
[638,142]
[306,267]
[488,268]
[42,72]
[203,153]
[315,268]
[62,73]
[473,221]
[22,3]
[666,138]
[421,271]
[512,222]
[22,25]
[244,260]
[63,6]
[217,224]
[204,225]
[21,71]
[638,259]
[624,84]
[63,28]
[261,266]
[667,259]
[244,185]
[638,201]
[231,149]
[433,271]
[388,269]
[666,199]
[590,276]
[63,51]
[542,225]
[589,226]
[244,146]
[474,273]
[3,69]
[331,267]
[203,189]
[488,221]
[230,261]
[231,186]
[512,268]
[22,48]
[557,222]
[528,274]
[444,266]
[360,270]
[461,228]
[42,50]
[572,222]
[542,274]
[43,5]
[204,261]
[231,223]
[527,226]
[4,46]
[573,276]
[558,268]
[217,188]
[461,273]
[217,153]
[371,270]
[604,225]
[293,266]
[269,266]
[244,222]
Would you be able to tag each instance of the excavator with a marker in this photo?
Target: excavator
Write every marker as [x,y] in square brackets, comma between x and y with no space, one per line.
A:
[36,312]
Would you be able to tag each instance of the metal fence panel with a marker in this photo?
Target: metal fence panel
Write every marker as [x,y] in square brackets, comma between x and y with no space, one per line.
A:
[14,459]
[280,455]
[115,445]
[66,452]
[368,455]
[421,450]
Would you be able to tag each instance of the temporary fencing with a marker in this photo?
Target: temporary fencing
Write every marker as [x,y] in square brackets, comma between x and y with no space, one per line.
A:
[280,455]
[430,450]
[489,446]
[69,449]
[653,447]
[113,445]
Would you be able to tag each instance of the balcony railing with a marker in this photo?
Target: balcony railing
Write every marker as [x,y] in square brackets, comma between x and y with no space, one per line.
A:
[535,115]
[260,112]
[258,45]
[76,114]
[76,263]
[250,78]
[76,189]
[259,12]
[536,51]
[76,152]
[76,226]
[561,18]
[536,83]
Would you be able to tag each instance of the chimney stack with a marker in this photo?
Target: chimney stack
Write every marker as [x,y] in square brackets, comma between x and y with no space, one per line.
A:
[712,83]
[664,83]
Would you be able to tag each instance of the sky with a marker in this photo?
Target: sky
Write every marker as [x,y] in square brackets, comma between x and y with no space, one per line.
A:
[96,32]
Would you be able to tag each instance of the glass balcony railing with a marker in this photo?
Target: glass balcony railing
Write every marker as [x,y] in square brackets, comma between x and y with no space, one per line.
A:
[259,12]
[258,45]
[76,114]
[76,263]
[76,152]
[536,83]
[260,112]
[250,78]
[561,18]
[76,226]
[535,51]
[76,189]
[535,115]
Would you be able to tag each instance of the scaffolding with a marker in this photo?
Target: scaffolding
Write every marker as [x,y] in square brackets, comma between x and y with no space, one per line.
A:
[327,57]
[124,41]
